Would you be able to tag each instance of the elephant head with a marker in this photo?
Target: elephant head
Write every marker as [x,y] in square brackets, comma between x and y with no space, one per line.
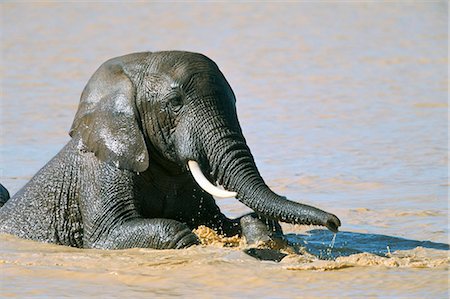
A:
[177,109]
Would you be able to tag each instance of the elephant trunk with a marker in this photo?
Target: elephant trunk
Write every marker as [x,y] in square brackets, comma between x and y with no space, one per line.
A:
[232,166]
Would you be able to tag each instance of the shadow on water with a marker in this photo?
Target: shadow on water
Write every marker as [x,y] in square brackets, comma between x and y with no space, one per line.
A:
[318,242]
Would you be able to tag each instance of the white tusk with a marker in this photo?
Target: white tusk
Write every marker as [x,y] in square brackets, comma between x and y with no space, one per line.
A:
[203,182]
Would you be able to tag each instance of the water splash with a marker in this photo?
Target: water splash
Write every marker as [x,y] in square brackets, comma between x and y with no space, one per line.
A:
[332,241]
[315,242]
[331,246]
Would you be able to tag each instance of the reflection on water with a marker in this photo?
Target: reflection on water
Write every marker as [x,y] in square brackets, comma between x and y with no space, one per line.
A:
[343,105]
[318,242]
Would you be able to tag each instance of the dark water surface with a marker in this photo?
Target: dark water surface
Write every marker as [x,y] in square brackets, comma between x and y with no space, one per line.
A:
[343,105]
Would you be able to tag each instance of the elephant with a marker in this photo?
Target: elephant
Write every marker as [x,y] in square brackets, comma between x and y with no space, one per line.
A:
[4,195]
[155,138]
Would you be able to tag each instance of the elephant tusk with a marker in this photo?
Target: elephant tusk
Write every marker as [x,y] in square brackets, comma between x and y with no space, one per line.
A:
[203,182]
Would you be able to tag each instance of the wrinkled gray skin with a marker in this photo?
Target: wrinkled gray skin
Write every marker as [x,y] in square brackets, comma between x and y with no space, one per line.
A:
[4,195]
[122,180]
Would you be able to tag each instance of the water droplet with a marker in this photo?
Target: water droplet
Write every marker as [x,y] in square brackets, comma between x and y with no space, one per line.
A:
[332,241]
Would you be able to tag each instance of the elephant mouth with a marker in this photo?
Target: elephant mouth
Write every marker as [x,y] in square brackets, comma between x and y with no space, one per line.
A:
[205,184]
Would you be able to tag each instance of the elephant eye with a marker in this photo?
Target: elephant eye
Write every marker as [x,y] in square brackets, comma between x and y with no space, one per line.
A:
[176,102]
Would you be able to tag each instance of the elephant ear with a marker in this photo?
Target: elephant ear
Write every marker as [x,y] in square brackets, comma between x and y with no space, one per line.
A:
[106,120]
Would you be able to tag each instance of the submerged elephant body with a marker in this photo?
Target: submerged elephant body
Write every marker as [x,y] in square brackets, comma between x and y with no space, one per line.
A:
[85,213]
[123,181]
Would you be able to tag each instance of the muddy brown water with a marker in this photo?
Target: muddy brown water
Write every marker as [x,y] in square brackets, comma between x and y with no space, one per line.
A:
[343,105]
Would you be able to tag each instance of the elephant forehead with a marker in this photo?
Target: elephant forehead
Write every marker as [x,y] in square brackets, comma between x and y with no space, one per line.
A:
[157,83]
[179,65]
